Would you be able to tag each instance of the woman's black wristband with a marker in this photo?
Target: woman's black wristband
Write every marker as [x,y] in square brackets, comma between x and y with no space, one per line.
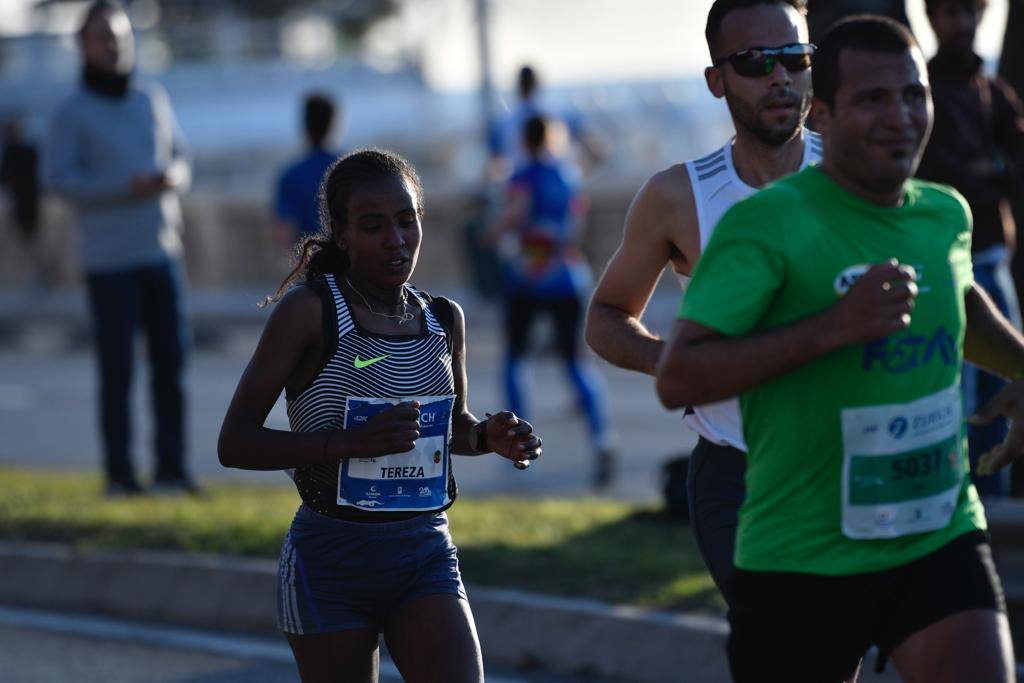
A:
[480,432]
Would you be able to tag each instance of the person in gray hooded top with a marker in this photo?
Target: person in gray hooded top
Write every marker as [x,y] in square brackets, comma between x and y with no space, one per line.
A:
[116,153]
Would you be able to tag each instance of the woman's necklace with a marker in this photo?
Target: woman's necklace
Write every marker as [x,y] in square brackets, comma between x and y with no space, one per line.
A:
[402,318]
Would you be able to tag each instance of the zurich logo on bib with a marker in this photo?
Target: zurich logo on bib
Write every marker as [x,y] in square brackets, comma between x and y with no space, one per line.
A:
[898,427]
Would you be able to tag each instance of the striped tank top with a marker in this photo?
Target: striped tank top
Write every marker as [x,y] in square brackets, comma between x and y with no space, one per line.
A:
[361,368]
[716,188]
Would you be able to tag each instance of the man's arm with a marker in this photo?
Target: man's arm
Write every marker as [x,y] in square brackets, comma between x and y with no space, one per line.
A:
[700,365]
[285,214]
[515,213]
[991,342]
[661,218]
[1009,125]
[177,176]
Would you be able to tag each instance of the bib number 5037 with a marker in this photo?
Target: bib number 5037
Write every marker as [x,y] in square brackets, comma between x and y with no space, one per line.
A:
[918,465]
[902,466]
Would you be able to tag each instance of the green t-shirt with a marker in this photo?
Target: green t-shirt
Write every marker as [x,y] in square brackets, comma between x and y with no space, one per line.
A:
[857,460]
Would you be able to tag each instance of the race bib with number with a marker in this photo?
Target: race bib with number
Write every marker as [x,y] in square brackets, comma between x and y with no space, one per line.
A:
[417,480]
[902,466]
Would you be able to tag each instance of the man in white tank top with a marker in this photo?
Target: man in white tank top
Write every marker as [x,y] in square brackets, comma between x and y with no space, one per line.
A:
[760,66]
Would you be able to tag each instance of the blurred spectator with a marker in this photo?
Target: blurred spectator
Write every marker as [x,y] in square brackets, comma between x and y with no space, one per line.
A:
[545,273]
[506,139]
[116,154]
[19,173]
[508,154]
[977,146]
[821,14]
[296,204]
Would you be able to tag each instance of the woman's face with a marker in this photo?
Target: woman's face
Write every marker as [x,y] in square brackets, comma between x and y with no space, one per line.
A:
[382,232]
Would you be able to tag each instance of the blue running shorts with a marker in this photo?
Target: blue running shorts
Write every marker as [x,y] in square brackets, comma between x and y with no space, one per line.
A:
[336,575]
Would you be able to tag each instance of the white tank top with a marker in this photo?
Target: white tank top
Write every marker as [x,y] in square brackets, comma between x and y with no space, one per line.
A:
[716,187]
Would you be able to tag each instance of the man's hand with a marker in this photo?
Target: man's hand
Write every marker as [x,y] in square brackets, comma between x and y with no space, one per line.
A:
[148,184]
[1010,404]
[877,305]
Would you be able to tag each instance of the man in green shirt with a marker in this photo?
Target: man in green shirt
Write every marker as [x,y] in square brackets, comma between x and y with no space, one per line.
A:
[838,304]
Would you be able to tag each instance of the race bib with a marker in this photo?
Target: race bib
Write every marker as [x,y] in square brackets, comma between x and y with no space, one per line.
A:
[902,466]
[416,480]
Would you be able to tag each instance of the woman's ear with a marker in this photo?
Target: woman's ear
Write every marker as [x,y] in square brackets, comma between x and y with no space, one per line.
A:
[339,239]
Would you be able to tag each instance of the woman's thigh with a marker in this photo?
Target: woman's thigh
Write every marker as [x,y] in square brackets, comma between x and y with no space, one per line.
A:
[433,639]
[339,657]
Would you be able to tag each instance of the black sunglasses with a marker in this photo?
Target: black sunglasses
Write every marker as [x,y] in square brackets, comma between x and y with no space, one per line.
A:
[755,62]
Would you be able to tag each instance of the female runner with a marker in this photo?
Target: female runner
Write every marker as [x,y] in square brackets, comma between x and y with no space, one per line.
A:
[374,377]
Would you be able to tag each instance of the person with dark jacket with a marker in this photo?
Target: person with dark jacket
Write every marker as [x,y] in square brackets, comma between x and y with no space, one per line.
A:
[19,171]
[977,146]
[822,14]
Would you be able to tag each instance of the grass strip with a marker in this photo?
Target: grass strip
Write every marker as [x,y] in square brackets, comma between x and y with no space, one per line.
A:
[591,548]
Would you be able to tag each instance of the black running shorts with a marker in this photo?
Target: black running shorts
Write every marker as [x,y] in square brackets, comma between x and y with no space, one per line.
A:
[808,628]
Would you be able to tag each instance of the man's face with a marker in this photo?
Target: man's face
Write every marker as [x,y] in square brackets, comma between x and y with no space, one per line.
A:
[955,23]
[875,133]
[107,43]
[772,106]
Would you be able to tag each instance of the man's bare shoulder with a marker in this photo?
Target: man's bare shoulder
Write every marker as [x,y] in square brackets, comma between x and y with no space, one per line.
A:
[669,190]
[664,211]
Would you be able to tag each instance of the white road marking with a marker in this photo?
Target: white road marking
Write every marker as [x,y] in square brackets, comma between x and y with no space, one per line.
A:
[160,635]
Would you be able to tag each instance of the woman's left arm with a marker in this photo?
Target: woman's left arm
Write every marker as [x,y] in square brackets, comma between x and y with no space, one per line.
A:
[502,433]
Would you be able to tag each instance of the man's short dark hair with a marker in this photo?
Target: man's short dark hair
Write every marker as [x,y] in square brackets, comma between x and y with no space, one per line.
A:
[931,5]
[318,115]
[721,8]
[867,32]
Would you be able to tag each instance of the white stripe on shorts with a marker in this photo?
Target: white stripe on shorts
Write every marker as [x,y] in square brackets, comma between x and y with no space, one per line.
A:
[288,617]
[282,564]
[294,602]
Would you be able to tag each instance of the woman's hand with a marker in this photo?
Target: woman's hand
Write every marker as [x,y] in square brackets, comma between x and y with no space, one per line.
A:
[393,430]
[512,438]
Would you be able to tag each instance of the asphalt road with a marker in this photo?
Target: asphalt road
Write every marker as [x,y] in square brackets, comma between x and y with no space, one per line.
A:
[42,647]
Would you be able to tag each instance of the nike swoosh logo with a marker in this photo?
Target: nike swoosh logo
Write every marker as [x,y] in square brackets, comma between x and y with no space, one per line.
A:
[360,363]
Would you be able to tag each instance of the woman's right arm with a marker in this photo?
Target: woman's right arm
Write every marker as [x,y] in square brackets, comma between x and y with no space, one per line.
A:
[291,333]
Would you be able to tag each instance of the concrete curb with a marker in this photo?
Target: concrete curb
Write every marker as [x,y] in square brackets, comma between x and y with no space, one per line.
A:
[516,629]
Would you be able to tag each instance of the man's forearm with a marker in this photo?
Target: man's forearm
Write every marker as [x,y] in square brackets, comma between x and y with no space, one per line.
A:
[622,340]
[991,342]
[701,365]
[699,371]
